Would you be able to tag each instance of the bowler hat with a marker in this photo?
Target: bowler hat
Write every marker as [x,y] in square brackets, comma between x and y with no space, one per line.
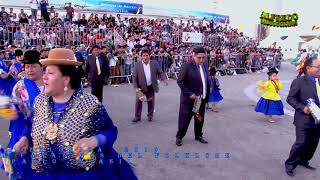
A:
[31,57]
[272,70]
[60,56]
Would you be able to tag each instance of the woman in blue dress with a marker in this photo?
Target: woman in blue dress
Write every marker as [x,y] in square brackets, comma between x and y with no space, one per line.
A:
[3,74]
[215,96]
[24,93]
[12,76]
[72,133]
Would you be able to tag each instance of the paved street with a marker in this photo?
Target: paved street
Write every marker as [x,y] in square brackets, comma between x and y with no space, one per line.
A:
[249,147]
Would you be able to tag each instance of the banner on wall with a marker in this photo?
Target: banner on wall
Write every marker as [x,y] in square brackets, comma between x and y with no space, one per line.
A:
[102,5]
[190,37]
[279,20]
[211,16]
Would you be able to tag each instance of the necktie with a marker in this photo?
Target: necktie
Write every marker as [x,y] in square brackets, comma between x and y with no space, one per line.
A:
[98,65]
[318,89]
[204,82]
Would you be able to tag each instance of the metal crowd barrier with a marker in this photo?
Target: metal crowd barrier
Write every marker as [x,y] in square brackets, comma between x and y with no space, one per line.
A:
[73,35]
[170,65]
[121,66]
[55,36]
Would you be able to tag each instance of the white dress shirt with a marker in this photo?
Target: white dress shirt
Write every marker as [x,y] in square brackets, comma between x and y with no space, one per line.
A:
[147,73]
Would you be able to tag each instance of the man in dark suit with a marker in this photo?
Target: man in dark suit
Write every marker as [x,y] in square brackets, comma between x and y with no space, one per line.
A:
[97,69]
[193,82]
[145,81]
[307,132]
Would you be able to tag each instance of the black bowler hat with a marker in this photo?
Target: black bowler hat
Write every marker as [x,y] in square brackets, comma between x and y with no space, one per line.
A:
[18,52]
[31,57]
[272,70]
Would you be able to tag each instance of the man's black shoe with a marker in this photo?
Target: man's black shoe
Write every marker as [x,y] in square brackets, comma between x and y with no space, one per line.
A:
[309,167]
[150,119]
[136,120]
[201,139]
[179,142]
[290,173]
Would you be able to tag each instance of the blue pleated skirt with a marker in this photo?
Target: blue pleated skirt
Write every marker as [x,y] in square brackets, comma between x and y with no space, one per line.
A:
[269,107]
[118,170]
[121,172]
[215,96]
[21,164]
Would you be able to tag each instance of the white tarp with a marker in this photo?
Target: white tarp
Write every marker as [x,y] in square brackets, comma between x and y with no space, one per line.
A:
[190,37]
[313,44]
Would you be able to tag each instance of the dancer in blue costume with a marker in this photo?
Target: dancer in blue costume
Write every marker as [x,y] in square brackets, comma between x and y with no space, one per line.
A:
[270,103]
[215,96]
[14,74]
[3,74]
[72,133]
[24,93]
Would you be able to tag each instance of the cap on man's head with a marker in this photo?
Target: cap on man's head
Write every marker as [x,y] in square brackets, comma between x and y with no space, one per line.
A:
[199,49]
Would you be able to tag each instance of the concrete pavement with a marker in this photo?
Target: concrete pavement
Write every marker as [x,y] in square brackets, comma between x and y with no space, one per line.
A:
[242,145]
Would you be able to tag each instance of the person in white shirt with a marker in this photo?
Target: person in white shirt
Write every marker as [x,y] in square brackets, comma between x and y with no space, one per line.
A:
[128,63]
[143,42]
[118,20]
[34,4]
[81,28]
[130,43]
[103,28]
[14,18]
[126,22]
[145,82]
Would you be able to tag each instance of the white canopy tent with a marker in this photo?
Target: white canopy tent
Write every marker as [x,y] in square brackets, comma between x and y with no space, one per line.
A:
[274,37]
[266,43]
[313,44]
[291,42]
[289,45]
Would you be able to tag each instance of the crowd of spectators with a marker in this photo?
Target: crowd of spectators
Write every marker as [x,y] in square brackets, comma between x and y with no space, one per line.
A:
[122,37]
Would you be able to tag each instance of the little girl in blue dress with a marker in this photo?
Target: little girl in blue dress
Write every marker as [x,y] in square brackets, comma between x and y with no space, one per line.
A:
[215,95]
[270,103]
